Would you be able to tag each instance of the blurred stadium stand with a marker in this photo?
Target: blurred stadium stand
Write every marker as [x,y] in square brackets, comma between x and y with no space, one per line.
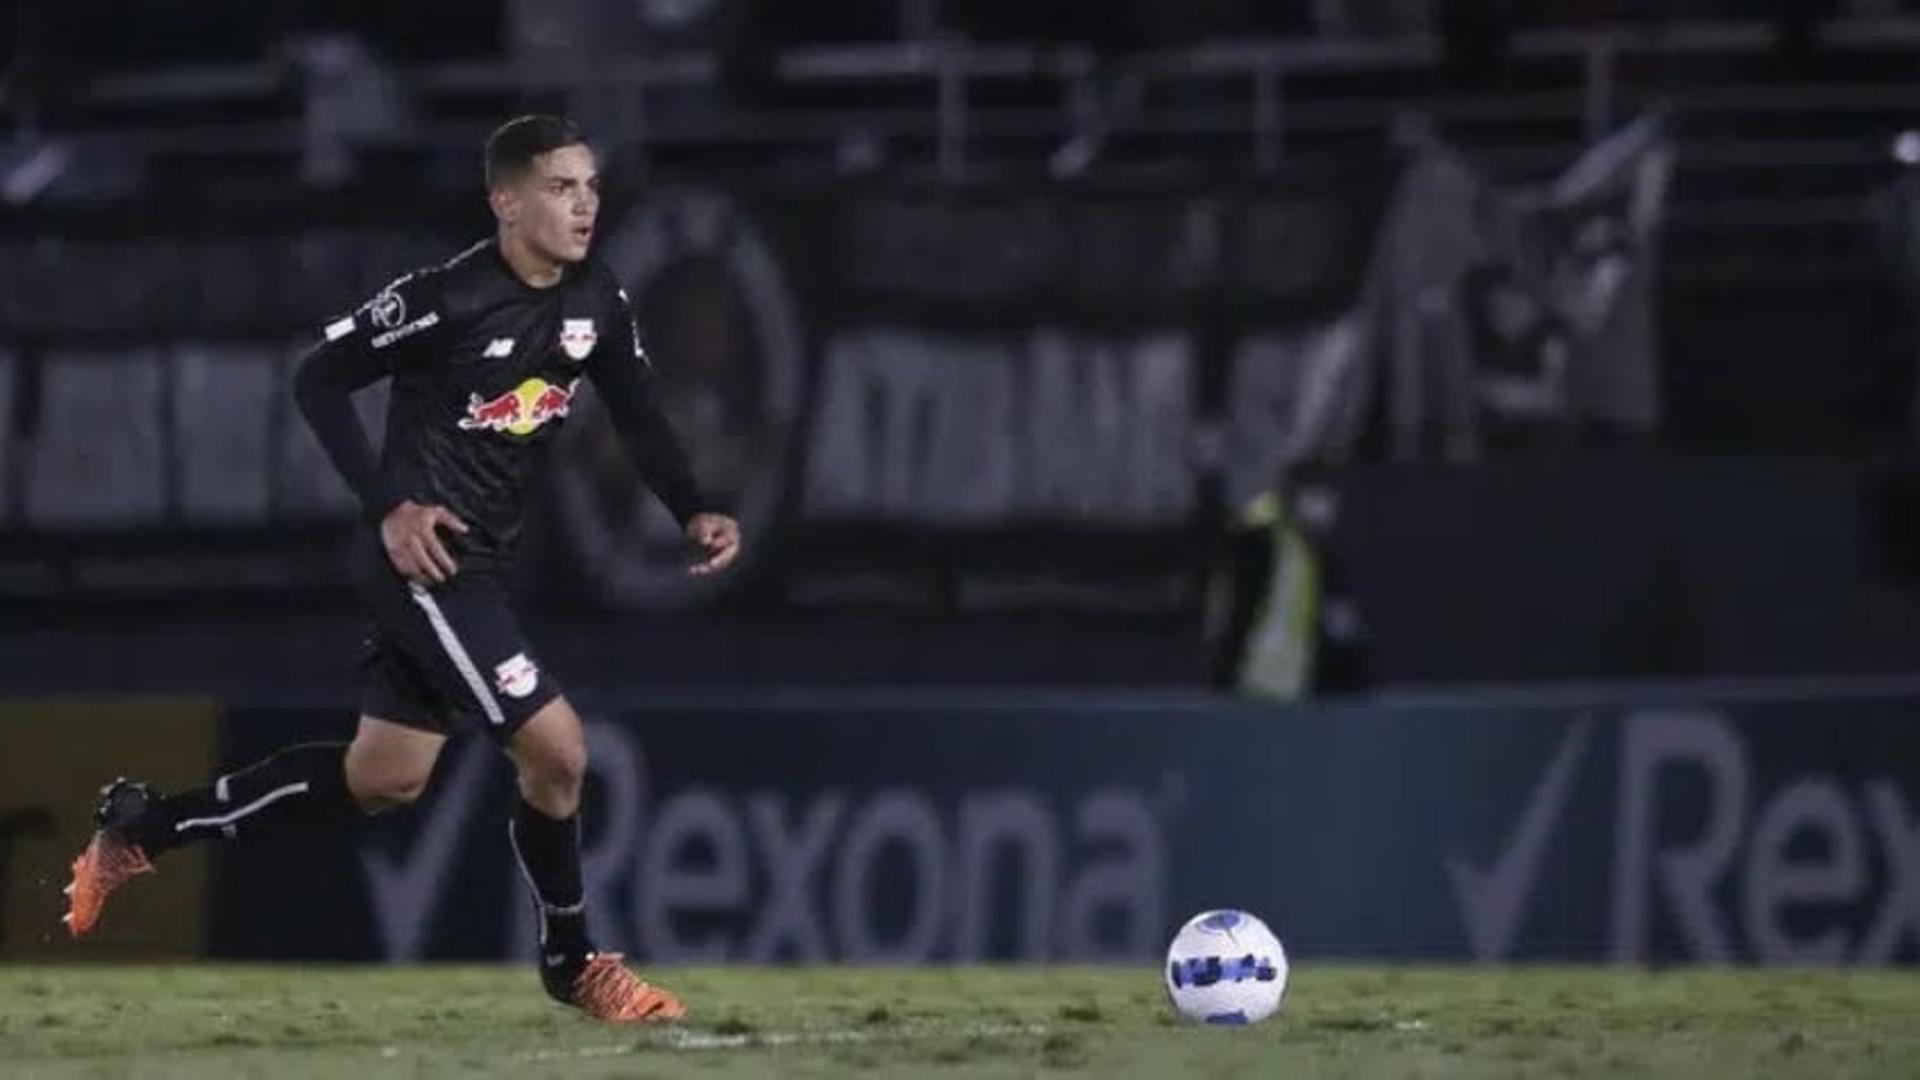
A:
[230,182]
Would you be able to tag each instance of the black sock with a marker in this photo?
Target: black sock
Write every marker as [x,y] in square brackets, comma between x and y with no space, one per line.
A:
[548,850]
[303,784]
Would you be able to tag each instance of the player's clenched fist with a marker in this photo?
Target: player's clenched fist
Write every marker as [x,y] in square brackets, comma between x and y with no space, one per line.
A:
[718,538]
[412,544]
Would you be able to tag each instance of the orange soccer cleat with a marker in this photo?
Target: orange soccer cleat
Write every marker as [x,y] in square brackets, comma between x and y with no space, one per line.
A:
[606,990]
[110,859]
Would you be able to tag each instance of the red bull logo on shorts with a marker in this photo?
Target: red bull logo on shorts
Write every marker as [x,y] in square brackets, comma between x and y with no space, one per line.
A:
[521,410]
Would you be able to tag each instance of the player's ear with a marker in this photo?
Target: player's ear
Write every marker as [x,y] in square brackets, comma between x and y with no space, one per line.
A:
[505,207]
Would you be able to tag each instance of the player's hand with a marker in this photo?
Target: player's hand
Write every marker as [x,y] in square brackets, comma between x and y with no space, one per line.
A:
[718,537]
[414,547]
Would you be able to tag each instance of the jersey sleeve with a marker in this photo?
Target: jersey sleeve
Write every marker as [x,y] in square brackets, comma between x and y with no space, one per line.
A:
[399,325]
[395,328]
[628,385]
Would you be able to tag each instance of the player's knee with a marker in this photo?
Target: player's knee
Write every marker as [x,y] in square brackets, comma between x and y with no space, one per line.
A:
[566,769]
[385,789]
[405,789]
[552,780]
[389,766]
[571,771]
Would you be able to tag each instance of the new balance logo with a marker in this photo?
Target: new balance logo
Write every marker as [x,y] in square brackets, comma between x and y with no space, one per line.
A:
[500,348]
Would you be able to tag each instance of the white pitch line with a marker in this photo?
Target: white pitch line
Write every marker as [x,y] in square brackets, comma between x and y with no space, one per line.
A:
[681,1039]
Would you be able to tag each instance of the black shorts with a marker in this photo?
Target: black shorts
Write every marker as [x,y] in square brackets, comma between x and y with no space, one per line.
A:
[445,658]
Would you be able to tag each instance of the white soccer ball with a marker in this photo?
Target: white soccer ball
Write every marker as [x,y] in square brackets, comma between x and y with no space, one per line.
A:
[1226,967]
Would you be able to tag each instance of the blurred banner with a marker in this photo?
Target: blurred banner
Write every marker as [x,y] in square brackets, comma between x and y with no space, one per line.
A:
[1522,312]
[1741,826]
[983,401]
[54,757]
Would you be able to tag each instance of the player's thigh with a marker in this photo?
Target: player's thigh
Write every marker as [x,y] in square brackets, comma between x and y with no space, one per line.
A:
[552,744]
[389,763]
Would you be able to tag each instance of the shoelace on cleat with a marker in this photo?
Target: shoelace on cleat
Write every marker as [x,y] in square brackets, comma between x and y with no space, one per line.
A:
[608,989]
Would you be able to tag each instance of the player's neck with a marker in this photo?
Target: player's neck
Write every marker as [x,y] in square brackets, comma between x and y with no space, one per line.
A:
[529,266]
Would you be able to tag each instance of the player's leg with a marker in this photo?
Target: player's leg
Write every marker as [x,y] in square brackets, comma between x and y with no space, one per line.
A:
[311,784]
[392,754]
[388,764]
[549,754]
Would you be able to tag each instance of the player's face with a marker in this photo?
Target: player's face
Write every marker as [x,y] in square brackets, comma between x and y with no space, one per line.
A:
[554,204]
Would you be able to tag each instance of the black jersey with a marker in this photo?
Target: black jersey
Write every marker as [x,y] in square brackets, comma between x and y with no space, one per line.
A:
[485,368]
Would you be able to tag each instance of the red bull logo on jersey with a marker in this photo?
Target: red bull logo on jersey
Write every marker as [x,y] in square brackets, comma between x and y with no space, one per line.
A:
[521,410]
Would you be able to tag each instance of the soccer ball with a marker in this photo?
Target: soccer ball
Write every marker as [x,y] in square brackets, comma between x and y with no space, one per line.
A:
[1226,967]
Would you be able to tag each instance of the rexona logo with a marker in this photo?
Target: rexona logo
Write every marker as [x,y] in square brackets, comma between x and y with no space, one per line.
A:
[1806,868]
[891,874]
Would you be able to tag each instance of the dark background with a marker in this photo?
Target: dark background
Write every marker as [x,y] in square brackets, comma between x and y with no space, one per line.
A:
[1763,527]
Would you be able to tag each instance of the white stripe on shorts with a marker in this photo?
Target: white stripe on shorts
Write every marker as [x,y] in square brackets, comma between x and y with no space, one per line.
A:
[456,652]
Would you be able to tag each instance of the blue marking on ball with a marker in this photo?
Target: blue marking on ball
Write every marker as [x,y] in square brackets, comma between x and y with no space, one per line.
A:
[1235,1018]
[1208,970]
[1222,920]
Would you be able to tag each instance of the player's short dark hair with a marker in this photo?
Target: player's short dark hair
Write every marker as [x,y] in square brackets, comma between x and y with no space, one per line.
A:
[513,145]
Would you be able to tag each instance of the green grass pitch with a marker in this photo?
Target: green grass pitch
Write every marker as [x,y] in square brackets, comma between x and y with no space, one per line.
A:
[283,1021]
